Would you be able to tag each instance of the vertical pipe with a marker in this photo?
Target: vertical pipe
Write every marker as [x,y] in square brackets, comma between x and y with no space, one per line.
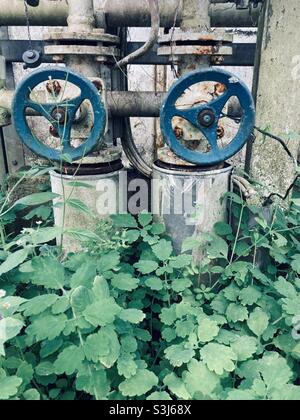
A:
[195,18]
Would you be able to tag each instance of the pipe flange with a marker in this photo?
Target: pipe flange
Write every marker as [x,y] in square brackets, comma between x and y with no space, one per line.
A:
[215,43]
[59,52]
[97,35]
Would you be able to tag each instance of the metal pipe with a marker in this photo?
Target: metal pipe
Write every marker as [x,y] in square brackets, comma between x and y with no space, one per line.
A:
[119,104]
[122,13]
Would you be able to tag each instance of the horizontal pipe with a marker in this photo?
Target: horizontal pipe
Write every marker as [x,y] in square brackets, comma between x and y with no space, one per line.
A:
[135,104]
[121,13]
[119,104]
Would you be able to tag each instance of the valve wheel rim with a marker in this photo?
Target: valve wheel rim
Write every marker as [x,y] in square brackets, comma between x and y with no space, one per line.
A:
[88,91]
[235,87]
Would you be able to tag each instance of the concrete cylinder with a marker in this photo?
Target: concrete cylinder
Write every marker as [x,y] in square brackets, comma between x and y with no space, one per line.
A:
[189,202]
[104,197]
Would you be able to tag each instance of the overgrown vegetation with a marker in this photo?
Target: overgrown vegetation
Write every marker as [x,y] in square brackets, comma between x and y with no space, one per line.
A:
[128,319]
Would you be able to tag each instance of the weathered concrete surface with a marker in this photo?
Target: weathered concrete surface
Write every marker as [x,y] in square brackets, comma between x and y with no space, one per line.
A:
[278,105]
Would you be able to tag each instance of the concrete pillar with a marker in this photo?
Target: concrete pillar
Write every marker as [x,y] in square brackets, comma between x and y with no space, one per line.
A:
[277,87]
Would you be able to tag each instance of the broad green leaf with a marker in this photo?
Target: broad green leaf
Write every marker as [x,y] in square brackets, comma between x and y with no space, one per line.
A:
[177,387]
[79,206]
[14,260]
[9,387]
[240,395]
[286,393]
[102,313]
[109,333]
[207,330]
[36,199]
[96,346]
[129,344]
[285,288]
[181,261]
[124,281]
[45,369]
[223,229]
[296,263]
[163,250]
[139,384]
[154,283]
[61,305]
[275,371]
[180,285]
[199,379]
[44,235]
[217,248]
[79,184]
[134,316]
[10,305]
[127,366]
[249,296]
[84,276]
[258,322]
[244,347]
[39,304]
[292,306]
[159,396]
[47,272]
[101,288]
[32,395]
[48,348]
[168,315]
[69,361]
[93,382]
[9,328]
[145,219]
[236,313]
[80,299]
[179,355]
[184,328]
[124,221]
[47,327]
[218,358]
[146,267]
[108,262]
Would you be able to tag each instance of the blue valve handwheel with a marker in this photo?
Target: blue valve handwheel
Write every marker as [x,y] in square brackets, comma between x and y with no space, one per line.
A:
[206,117]
[66,110]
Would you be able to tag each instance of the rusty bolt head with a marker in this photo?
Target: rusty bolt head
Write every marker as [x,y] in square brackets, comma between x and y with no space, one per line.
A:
[59,115]
[98,84]
[53,131]
[217,60]
[53,87]
[178,132]
[220,132]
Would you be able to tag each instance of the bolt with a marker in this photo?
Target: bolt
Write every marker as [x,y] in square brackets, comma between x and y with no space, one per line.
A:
[178,132]
[30,54]
[220,132]
[15,163]
[53,131]
[53,87]
[98,84]
[59,115]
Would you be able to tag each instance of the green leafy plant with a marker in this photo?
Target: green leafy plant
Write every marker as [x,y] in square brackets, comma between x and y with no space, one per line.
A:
[129,319]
